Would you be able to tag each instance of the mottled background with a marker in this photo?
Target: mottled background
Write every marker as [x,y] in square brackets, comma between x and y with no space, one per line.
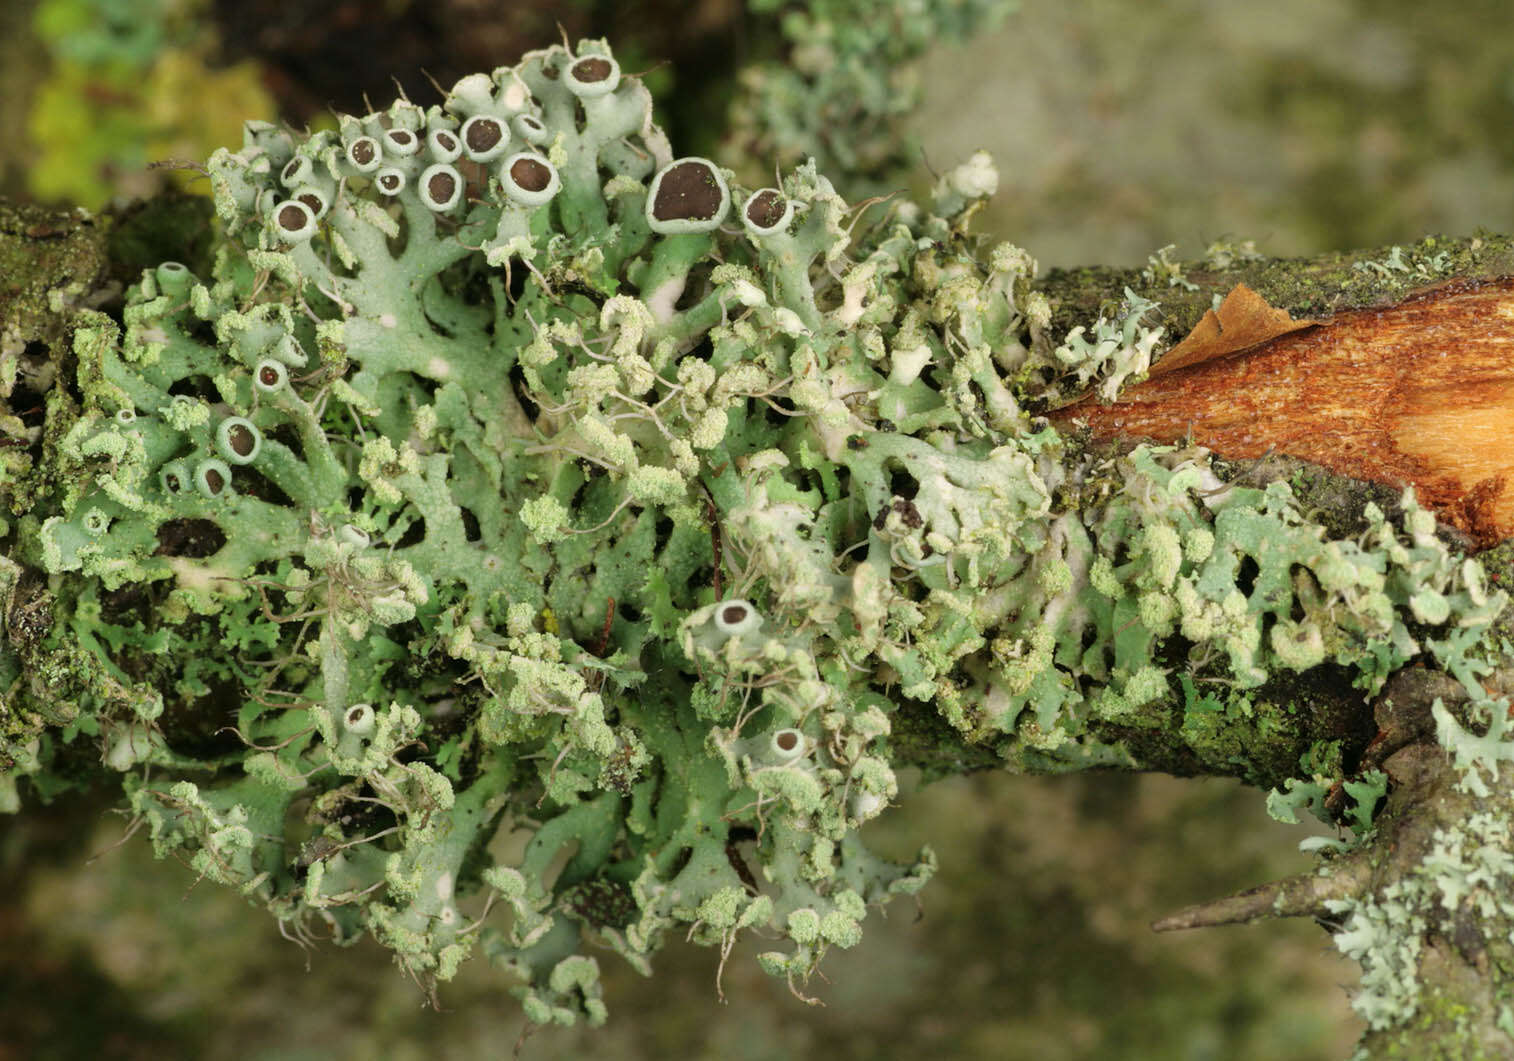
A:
[1119,127]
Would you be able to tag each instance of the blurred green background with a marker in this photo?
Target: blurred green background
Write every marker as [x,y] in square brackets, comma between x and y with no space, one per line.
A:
[1118,127]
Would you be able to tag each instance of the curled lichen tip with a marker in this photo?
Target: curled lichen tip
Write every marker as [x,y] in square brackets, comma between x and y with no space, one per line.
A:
[175,477]
[529,128]
[294,221]
[364,155]
[687,195]
[442,145]
[390,180]
[238,440]
[485,137]
[766,212]
[212,477]
[270,376]
[592,76]
[401,143]
[441,187]
[529,179]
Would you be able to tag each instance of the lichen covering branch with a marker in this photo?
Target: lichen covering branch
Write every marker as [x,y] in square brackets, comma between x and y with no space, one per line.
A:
[524,540]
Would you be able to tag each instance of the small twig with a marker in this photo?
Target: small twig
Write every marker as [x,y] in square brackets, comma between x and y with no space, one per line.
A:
[1302,896]
[179,163]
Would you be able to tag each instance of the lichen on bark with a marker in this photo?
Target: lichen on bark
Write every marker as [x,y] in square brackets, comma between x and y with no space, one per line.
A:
[662,546]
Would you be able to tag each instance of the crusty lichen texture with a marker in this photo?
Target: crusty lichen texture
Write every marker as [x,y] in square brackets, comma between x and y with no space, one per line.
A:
[510,474]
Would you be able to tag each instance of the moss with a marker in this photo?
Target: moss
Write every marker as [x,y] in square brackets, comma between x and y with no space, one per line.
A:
[41,252]
[173,226]
[1259,736]
[1499,562]
[921,738]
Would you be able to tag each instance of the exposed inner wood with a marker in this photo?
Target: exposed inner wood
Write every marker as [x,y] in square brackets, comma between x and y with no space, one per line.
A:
[1418,393]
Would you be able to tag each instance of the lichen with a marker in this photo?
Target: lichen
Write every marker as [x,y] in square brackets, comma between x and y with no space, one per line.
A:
[526,488]
[849,80]
[1465,876]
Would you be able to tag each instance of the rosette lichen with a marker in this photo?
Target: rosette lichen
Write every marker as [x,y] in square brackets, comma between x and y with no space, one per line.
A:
[508,476]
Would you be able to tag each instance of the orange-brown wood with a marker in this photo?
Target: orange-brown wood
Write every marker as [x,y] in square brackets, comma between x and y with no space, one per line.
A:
[1419,393]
